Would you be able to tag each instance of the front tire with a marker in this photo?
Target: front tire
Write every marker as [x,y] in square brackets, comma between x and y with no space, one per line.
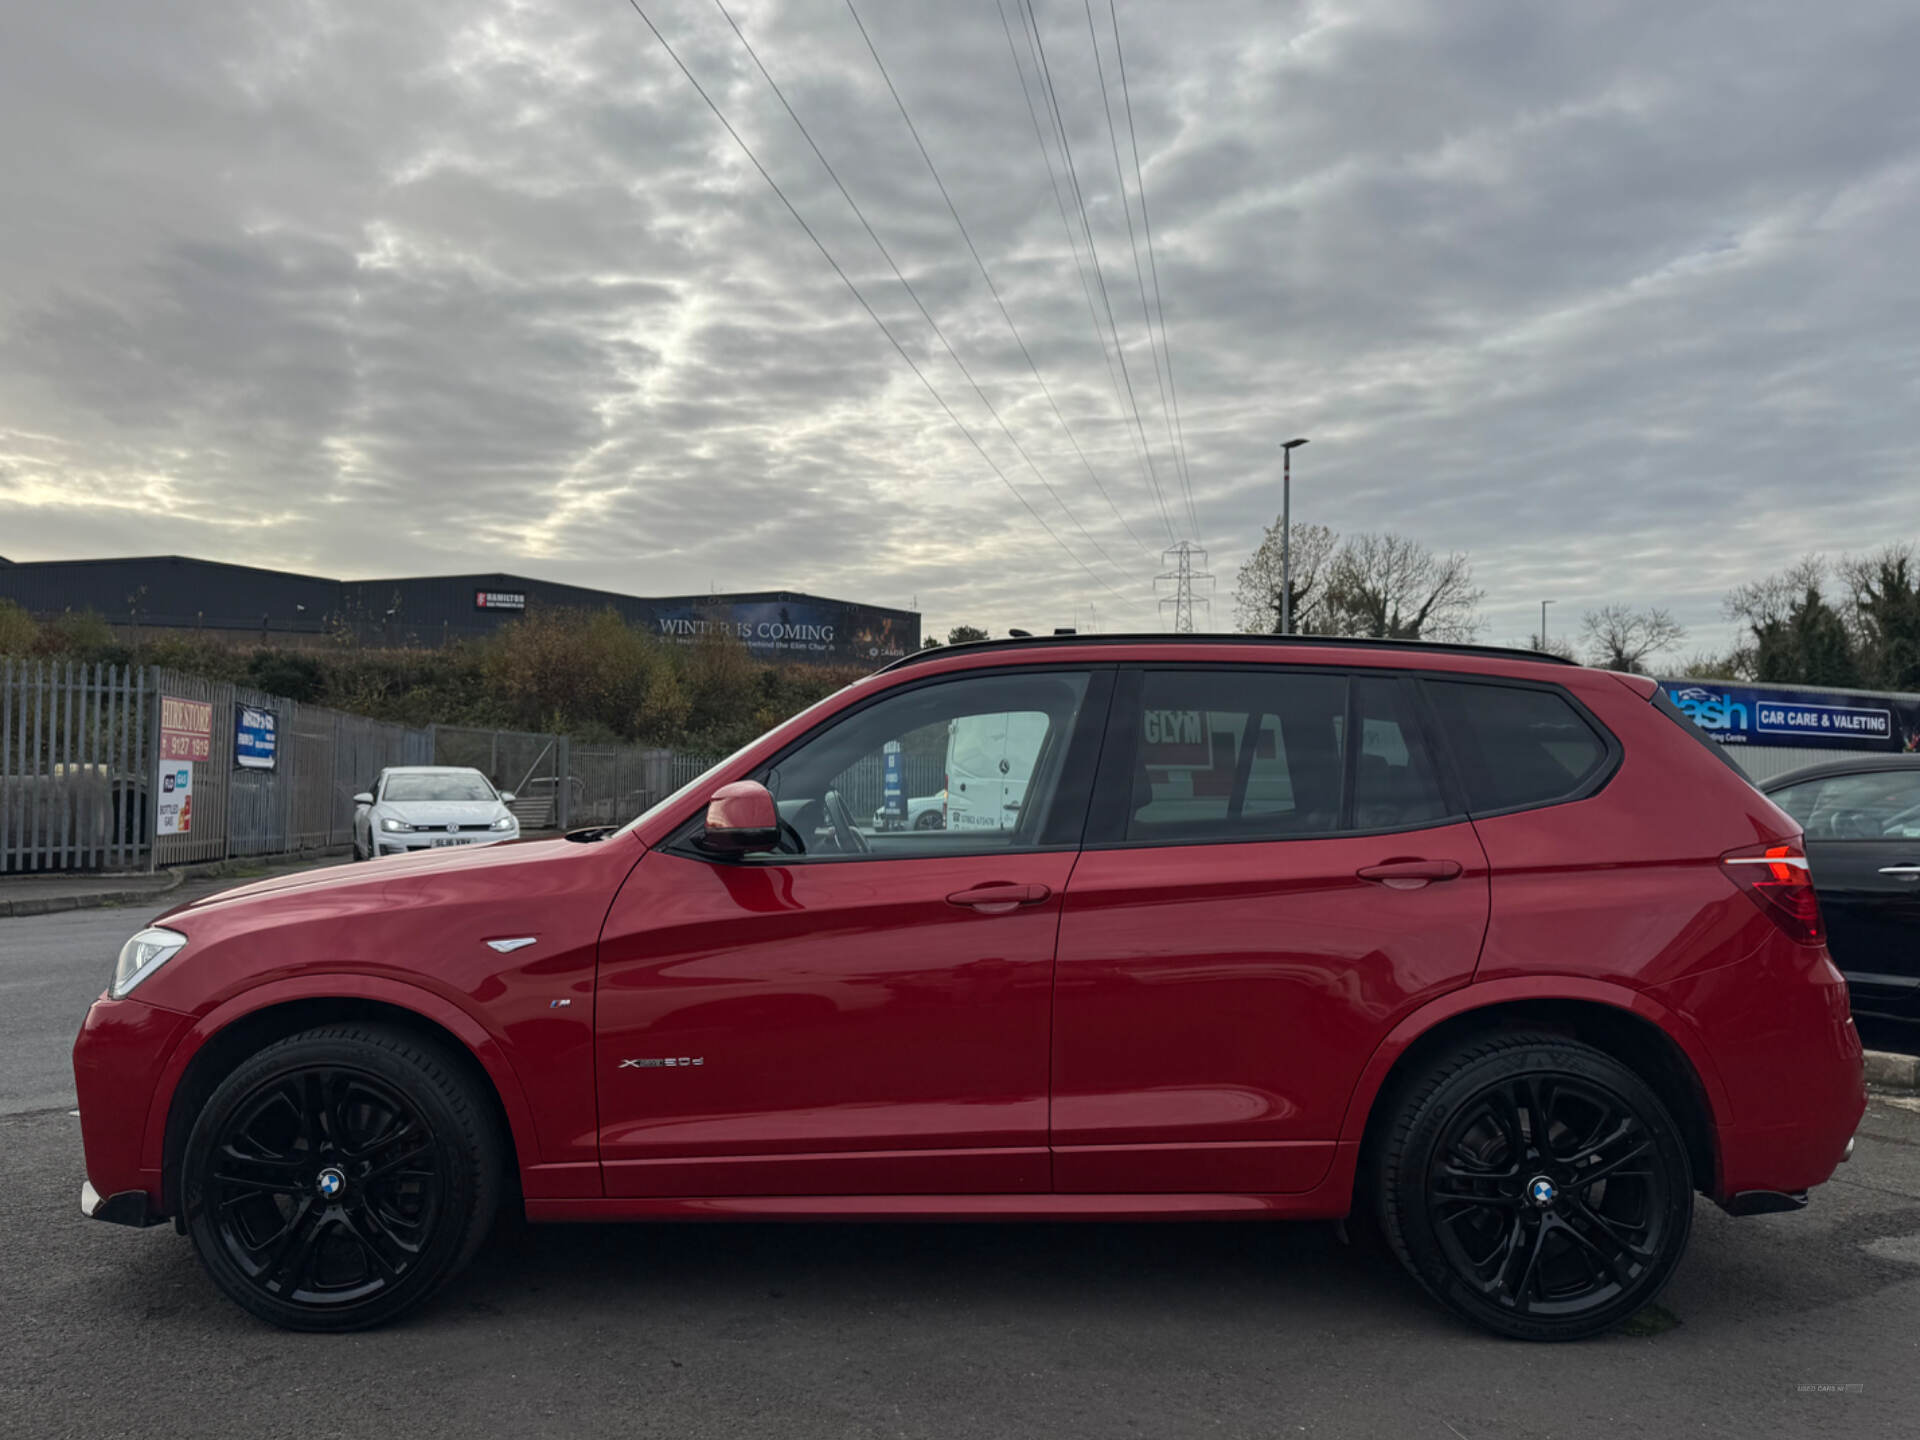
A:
[1535,1186]
[340,1177]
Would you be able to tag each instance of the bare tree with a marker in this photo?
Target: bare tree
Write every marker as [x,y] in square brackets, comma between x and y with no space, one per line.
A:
[1620,637]
[1256,593]
[1388,587]
[1553,645]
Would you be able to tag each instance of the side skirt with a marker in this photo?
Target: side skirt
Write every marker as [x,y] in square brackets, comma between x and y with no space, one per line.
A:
[943,1207]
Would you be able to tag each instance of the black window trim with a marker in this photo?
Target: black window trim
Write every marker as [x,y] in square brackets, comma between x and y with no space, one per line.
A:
[1595,781]
[1113,783]
[1080,767]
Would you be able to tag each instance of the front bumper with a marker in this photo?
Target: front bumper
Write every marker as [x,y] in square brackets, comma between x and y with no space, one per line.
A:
[129,1207]
[118,1057]
[413,842]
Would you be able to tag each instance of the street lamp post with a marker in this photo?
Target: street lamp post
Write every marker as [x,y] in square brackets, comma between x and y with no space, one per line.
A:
[1286,535]
[1543,623]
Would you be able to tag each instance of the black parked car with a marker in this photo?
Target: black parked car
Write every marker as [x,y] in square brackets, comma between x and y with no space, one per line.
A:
[1862,818]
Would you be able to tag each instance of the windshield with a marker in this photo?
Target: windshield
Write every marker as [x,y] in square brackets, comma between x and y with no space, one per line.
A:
[472,786]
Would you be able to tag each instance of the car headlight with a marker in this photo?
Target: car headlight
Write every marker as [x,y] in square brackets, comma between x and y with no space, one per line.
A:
[141,956]
[391,824]
[505,822]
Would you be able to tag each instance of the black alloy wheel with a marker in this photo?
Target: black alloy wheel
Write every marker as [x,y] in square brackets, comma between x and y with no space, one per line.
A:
[930,820]
[1537,1186]
[340,1177]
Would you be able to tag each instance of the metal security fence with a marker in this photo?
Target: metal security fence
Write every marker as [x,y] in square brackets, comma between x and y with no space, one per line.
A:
[74,775]
[82,776]
[87,776]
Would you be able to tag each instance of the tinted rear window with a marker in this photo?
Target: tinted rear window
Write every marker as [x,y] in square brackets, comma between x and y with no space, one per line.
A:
[1516,747]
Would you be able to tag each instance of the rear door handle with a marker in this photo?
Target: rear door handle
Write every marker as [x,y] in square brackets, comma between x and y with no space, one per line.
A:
[1410,874]
[999,899]
[1905,872]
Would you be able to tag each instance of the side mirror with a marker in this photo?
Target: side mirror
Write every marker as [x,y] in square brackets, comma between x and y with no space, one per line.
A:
[365,797]
[506,797]
[741,817]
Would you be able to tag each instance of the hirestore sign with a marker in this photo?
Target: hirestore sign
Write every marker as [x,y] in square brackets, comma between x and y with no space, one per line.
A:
[1750,715]
[186,729]
[256,738]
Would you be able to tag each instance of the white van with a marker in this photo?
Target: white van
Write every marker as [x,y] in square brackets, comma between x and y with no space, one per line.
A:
[990,760]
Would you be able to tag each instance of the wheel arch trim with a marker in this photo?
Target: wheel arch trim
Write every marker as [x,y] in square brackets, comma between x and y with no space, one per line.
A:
[1493,995]
[478,1041]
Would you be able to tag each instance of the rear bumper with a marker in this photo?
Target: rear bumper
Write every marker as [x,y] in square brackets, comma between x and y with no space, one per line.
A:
[1780,1032]
[117,1059]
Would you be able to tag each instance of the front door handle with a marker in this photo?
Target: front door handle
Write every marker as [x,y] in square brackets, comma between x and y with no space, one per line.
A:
[1905,872]
[1410,874]
[999,899]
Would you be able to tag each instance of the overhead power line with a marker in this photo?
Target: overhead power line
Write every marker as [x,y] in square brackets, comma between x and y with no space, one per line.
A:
[992,289]
[1093,245]
[1139,272]
[1073,249]
[872,314]
[1146,224]
[907,284]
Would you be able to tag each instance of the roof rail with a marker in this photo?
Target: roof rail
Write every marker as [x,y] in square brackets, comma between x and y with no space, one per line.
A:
[1337,642]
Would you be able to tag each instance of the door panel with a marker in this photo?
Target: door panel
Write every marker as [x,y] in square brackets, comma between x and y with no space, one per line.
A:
[1873,919]
[817,1014]
[1216,1003]
[1860,824]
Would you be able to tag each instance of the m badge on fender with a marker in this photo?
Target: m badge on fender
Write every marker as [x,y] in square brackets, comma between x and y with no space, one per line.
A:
[655,1064]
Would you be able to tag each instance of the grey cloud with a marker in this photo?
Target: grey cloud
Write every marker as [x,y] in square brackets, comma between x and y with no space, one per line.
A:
[1616,296]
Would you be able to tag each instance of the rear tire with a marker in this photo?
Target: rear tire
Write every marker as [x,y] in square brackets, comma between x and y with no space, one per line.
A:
[1535,1186]
[340,1177]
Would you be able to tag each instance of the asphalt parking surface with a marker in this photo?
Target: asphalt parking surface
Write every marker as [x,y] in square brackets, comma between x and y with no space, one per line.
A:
[1793,1325]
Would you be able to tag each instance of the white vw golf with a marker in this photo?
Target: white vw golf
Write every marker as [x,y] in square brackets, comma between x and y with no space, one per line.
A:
[423,807]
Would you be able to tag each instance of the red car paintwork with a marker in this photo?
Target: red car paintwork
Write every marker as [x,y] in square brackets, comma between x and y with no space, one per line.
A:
[1127,1032]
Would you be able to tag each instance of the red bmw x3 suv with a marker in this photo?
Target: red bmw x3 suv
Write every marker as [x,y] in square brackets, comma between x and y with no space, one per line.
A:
[1492,948]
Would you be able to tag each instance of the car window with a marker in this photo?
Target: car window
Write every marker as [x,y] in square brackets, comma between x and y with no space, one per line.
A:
[1262,755]
[975,764]
[1876,805]
[1394,786]
[437,787]
[1516,747]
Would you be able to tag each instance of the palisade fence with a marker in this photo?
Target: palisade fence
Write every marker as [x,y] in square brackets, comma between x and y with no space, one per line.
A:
[79,762]
[80,771]
[74,765]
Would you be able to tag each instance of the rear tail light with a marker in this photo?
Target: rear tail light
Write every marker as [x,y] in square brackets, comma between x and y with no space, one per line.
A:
[1777,879]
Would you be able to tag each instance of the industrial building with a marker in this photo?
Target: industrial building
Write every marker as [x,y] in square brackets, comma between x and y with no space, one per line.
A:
[242,602]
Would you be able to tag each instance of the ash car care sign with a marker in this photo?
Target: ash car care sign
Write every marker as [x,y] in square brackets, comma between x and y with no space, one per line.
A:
[1815,719]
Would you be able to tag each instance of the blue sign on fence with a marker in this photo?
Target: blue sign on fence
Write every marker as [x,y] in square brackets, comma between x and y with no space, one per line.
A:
[255,737]
[1749,715]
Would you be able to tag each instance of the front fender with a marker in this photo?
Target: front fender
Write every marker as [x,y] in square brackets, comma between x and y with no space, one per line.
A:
[480,1042]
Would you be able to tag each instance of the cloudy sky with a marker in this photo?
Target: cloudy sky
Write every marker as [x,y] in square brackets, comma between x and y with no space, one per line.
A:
[1620,297]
